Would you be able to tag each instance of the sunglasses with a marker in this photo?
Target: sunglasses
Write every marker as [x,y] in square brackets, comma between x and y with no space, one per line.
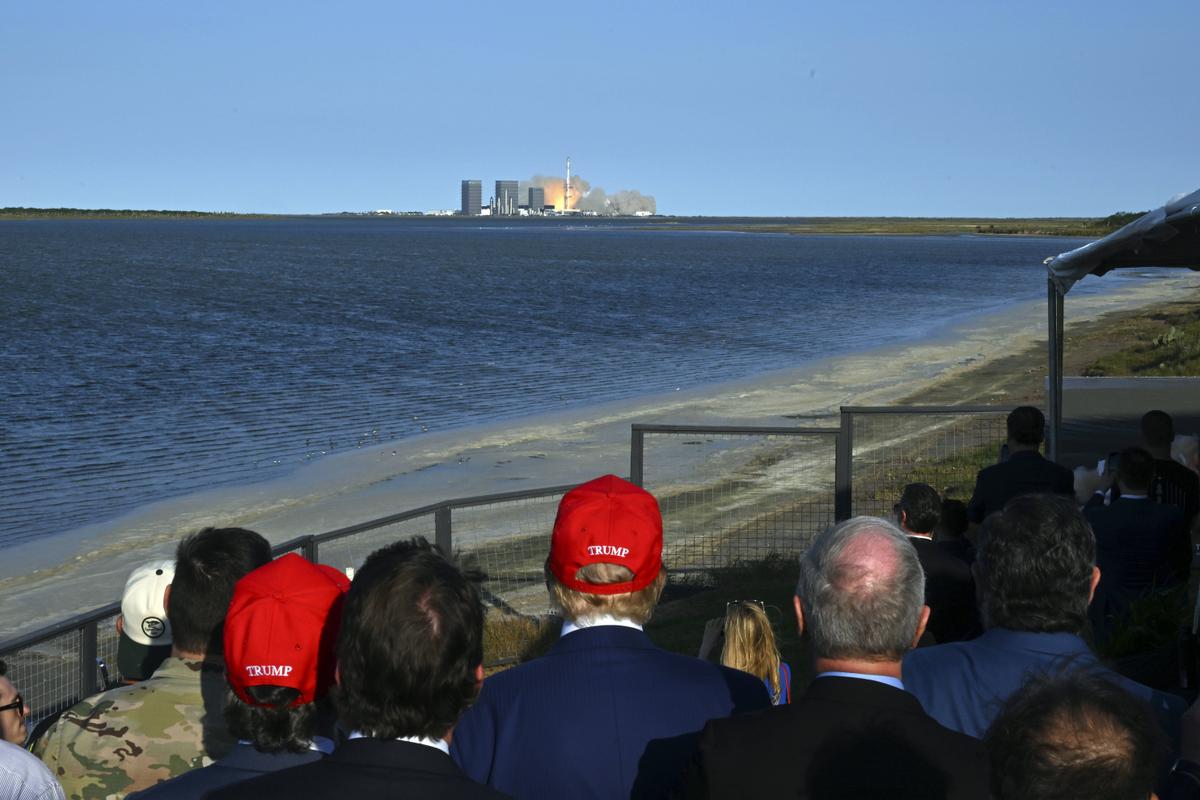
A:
[733,603]
[18,704]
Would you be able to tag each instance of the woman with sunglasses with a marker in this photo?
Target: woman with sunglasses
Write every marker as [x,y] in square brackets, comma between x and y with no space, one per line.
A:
[749,645]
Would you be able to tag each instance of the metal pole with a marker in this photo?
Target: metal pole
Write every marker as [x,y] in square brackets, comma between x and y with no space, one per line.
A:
[88,682]
[636,449]
[843,468]
[1054,325]
[310,549]
[442,532]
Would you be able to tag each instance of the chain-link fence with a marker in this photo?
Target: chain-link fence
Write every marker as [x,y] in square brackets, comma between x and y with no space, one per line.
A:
[731,495]
[885,448]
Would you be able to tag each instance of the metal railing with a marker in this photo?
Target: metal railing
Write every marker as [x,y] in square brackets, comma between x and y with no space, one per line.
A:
[735,494]
[728,494]
[507,535]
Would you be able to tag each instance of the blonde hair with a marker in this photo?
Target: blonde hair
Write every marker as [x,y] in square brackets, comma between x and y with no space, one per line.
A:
[634,606]
[750,644]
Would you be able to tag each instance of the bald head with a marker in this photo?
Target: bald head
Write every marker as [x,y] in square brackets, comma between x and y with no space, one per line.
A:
[862,589]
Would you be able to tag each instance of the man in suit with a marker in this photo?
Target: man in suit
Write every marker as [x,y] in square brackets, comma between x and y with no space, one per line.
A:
[949,587]
[410,660]
[1175,484]
[1025,471]
[855,732]
[1140,544]
[1074,735]
[604,714]
[1036,574]
[280,657]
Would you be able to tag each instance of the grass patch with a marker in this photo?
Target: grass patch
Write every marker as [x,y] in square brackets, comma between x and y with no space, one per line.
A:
[1166,343]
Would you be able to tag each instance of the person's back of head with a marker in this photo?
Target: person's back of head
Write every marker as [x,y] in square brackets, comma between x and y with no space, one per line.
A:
[1074,736]
[750,643]
[1135,470]
[410,652]
[281,652]
[861,592]
[919,508]
[606,552]
[1158,429]
[1026,426]
[207,566]
[953,522]
[1035,566]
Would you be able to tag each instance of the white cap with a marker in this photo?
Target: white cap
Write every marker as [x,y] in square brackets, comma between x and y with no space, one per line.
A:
[142,604]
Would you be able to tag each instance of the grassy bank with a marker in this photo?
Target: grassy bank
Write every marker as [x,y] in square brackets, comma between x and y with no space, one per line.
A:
[943,226]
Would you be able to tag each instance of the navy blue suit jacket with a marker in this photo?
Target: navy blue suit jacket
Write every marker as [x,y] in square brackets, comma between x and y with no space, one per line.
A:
[1025,472]
[242,763]
[963,684]
[604,714]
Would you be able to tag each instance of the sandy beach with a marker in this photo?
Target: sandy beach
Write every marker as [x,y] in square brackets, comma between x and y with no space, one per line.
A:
[992,358]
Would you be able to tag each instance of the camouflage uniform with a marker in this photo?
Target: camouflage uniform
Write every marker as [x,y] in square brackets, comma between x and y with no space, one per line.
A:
[133,737]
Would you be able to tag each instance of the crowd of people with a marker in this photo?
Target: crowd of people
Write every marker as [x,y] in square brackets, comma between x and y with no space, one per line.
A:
[949,646]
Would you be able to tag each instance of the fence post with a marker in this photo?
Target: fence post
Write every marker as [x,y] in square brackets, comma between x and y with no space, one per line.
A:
[88,682]
[636,446]
[442,532]
[311,549]
[843,468]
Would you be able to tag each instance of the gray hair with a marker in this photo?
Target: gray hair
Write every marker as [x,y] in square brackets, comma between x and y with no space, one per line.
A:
[861,604]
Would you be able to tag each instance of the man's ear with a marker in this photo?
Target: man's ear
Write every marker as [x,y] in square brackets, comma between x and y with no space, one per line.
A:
[120,624]
[1095,583]
[921,623]
[903,519]
[167,597]
[337,674]
[799,614]
[478,677]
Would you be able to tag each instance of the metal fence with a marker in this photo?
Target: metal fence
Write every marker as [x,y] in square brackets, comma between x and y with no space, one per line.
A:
[883,448]
[735,494]
[728,494]
[506,535]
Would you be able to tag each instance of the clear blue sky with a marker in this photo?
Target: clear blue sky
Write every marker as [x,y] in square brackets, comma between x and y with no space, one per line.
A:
[994,108]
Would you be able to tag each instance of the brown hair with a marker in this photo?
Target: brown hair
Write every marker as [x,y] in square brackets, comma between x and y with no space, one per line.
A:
[750,644]
[634,606]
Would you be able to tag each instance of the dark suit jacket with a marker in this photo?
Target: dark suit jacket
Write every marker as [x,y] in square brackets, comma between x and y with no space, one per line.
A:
[962,685]
[604,714]
[242,763]
[1026,472]
[1139,545]
[1177,485]
[366,768]
[846,738]
[949,593]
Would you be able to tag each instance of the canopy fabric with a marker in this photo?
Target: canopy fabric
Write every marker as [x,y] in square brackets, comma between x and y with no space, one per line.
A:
[1166,237]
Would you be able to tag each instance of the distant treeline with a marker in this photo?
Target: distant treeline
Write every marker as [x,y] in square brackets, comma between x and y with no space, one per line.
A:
[19,211]
[1097,227]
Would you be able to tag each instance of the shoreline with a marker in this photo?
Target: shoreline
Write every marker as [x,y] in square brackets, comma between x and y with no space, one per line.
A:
[561,447]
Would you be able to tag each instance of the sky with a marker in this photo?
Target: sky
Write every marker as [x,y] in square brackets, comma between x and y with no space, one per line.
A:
[796,108]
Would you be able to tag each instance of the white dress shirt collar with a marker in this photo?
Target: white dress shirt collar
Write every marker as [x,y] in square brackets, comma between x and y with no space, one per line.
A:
[592,622]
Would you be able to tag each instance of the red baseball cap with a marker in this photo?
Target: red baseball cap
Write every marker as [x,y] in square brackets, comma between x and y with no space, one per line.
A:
[607,521]
[282,628]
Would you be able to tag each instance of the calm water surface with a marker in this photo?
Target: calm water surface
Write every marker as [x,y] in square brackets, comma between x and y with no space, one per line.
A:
[143,360]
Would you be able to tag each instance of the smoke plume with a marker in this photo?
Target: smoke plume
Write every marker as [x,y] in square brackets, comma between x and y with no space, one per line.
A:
[586,197]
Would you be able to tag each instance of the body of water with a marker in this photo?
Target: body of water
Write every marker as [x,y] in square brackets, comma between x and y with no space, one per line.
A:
[144,360]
